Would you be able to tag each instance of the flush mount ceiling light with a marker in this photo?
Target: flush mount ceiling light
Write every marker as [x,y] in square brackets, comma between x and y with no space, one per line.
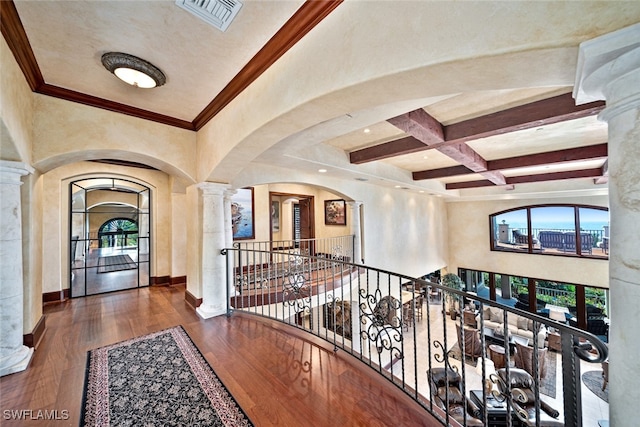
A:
[133,70]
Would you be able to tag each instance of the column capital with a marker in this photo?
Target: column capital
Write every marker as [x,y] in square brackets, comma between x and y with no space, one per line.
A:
[213,188]
[609,69]
[355,203]
[10,172]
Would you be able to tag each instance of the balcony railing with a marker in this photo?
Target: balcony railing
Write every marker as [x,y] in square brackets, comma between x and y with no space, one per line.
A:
[397,325]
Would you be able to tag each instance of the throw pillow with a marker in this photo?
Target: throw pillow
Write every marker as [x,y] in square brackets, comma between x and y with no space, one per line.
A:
[523,322]
[496,315]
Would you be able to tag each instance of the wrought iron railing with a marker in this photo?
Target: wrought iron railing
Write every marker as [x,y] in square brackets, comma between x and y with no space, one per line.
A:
[398,326]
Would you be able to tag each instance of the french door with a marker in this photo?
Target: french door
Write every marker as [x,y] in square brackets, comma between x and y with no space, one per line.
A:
[109,236]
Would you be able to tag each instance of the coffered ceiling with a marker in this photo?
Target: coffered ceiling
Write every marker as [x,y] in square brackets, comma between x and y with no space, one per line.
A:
[498,139]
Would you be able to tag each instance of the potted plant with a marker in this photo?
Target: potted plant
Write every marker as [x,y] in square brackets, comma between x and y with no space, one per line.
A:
[452,281]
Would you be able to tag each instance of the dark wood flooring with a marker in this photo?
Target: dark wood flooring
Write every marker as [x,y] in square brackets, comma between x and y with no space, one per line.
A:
[277,377]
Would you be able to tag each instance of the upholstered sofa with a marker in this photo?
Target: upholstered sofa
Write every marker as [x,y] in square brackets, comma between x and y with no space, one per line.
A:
[517,325]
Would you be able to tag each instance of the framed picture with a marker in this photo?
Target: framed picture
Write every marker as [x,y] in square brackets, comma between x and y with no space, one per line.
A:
[242,214]
[335,212]
[275,216]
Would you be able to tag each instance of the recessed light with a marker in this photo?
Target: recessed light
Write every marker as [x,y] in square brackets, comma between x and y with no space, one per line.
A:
[322,170]
[397,186]
[367,130]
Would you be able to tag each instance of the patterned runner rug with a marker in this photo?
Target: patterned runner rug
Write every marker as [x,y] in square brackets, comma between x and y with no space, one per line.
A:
[160,379]
[107,264]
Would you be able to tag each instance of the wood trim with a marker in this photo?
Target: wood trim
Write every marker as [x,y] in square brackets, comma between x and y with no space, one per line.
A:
[33,338]
[56,296]
[159,280]
[179,280]
[191,300]
[116,107]
[310,14]
[16,38]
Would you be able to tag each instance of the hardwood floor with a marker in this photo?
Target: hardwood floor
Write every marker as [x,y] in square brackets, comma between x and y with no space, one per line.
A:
[277,377]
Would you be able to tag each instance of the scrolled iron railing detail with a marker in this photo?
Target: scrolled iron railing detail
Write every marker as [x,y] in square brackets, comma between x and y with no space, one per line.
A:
[378,316]
[311,292]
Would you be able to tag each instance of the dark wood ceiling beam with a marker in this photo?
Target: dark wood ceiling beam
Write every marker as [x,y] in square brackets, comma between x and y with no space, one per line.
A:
[421,125]
[554,176]
[407,144]
[429,131]
[544,112]
[547,111]
[310,14]
[591,152]
[441,173]
[605,174]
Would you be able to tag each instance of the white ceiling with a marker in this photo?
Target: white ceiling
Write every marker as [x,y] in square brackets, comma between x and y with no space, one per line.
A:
[69,37]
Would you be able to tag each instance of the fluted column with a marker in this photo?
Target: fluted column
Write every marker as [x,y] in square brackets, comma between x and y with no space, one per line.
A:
[609,69]
[14,356]
[213,239]
[356,230]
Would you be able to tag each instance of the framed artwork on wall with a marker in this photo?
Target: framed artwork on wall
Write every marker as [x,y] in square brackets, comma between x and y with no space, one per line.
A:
[275,216]
[335,212]
[242,218]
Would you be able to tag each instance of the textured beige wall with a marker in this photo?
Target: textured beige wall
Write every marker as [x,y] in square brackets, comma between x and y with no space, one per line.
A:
[469,245]
[67,132]
[403,232]
[16,110]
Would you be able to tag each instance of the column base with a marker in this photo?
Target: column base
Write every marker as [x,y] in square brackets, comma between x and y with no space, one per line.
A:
[16,362]
[209,311]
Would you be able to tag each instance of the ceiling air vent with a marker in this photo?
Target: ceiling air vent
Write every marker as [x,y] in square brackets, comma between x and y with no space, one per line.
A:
[218,13]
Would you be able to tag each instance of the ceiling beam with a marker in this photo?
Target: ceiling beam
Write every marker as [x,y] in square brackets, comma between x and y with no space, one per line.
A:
[591,152]
[385,150]
[605,174]
[554,176]
[547,111]
[426,129]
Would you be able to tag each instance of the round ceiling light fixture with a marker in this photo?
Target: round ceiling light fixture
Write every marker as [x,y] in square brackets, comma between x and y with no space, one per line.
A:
[133,70]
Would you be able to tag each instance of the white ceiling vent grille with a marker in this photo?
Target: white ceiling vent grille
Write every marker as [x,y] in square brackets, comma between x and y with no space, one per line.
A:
[218,13]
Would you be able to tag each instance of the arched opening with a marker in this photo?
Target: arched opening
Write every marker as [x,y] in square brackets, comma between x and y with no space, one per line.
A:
[109,235]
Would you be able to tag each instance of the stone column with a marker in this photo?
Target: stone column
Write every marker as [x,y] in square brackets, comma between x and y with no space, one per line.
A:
[356,230]
[14,356]
[609,69]
[213,269]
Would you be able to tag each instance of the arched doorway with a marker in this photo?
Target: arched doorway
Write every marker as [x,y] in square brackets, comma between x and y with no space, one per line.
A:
[109,235]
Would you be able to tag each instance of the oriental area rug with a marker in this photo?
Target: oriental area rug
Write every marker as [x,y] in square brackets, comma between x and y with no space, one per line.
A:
[160,379]
[107,264]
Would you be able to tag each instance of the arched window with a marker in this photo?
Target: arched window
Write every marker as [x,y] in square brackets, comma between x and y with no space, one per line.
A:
[118,232]
[570,230]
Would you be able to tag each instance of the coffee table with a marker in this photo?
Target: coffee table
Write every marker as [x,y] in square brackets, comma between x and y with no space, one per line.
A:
[496,411]
[491,337]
